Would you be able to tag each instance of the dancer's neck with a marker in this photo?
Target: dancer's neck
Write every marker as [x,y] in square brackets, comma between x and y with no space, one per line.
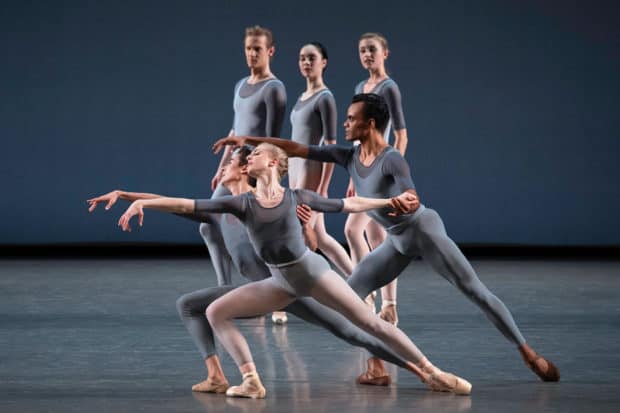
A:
[268,187]
[260,74]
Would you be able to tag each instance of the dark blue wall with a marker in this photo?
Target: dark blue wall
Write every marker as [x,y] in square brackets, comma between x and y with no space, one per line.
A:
[512,109]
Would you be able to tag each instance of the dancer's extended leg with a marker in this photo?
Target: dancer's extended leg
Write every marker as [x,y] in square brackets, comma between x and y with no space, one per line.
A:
[449,261]
[331,290]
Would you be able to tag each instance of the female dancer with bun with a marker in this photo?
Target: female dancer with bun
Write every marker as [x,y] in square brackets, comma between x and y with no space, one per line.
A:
[269,215]
[313,121]
[236,242]
[373,52]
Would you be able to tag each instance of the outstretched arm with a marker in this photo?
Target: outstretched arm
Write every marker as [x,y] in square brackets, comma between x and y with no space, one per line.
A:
[111,197]
[404,203]
[176,205]
[292,149]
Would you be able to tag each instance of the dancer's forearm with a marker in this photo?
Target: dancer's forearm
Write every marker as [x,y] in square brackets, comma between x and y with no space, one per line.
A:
[361,204]
[176,205]
[134,196]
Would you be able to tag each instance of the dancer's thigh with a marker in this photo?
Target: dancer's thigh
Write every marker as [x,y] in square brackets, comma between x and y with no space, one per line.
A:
[377,269]
[331,290]
[252,299]
[357,221]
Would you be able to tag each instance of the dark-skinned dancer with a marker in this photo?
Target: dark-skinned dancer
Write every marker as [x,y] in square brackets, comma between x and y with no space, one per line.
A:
[378,170]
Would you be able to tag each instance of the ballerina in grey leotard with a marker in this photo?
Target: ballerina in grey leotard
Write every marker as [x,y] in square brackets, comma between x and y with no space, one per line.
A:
[274,230]
[192,306]
[313,121]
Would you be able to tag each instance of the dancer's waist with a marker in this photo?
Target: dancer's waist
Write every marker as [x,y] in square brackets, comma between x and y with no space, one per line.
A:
[401,226]
[287,263]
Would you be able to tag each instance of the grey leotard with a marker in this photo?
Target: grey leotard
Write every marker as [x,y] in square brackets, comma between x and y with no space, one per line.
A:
[421,233]
[313,122]
[259,108]
[259,111]
[388,90]
[192,306]
[275,232]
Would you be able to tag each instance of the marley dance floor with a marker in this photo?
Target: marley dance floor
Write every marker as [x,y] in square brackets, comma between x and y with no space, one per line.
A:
[102,335]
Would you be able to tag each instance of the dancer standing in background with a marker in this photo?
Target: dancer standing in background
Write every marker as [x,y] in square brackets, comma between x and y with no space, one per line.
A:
[373,52]
[313,121]
[259,104]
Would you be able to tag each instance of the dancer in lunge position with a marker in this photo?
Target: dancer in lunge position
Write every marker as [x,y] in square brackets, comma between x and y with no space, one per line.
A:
[269,215]
[373,52]
[192,306]
[378,171]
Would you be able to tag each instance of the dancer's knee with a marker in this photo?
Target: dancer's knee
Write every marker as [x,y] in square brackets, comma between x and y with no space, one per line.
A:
[204,230]
[214,313]
[183,305]
[353,233]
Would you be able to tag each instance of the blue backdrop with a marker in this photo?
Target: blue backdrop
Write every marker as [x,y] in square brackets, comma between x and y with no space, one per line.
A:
[511,107]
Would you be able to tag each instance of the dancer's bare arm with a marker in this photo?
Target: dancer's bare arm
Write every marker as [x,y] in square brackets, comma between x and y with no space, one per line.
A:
[111,197]
[176,205]
[292,149]
[405,203]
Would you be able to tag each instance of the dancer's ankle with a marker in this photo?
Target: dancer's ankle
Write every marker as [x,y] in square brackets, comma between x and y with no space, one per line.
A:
[387,303]
[376,368]
[214,369]
[247,368]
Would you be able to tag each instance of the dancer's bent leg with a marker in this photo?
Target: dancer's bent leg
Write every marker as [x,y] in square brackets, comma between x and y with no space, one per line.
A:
[377,269]
[191,308]
[252,299]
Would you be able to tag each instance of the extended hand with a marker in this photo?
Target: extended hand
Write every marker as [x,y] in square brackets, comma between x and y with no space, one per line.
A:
[404,203]
[134,209]
[110,198]
[236,141]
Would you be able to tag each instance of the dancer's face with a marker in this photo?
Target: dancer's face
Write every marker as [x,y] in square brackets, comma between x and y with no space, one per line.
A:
[232,171]
[355,126]
[257,53]
[260,161]
[372,54]
[311,62]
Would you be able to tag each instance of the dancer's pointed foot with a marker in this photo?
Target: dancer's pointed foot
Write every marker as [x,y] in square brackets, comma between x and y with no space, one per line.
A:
[279,317]
[389,314]
[211,386]
[543,368]
[375,375]
[251,387]
[438,380]
[448,382]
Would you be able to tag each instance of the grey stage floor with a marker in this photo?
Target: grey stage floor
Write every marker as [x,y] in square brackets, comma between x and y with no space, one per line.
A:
[103,335]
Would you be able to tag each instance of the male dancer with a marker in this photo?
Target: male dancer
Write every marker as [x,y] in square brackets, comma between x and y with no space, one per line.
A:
[259,104]
[379,171]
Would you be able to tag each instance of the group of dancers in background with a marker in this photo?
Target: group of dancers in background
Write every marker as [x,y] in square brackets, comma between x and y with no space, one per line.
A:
[269,232]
